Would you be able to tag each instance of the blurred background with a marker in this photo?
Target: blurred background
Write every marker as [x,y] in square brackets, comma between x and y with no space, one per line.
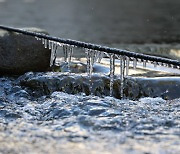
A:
[106,22]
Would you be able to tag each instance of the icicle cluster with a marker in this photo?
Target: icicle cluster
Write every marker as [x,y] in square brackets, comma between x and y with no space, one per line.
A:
[53,46]
[68,52]
[94,56]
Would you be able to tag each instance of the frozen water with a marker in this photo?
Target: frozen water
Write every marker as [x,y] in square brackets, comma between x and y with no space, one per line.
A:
[65,51]
[70,53]
[94,56]
[100,56]
[45,43]
[53,53]
[122,74]
[90,63]
[134,63]
[127,66]
[112,71]
[144,63]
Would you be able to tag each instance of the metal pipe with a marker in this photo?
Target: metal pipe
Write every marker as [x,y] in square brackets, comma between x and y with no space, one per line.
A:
[95,47]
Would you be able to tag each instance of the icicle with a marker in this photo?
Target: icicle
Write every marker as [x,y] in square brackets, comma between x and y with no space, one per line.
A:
[144,63]
[89,68]
[122,72]
[36,38]
[127,66]
[70,52]
[134,63]
[97,56]
[45,43]
[50,44]
[65,52]
[170,66]
[43,40]
[100,57]
[112,71]
[155,64]
[94,56]
[53,53]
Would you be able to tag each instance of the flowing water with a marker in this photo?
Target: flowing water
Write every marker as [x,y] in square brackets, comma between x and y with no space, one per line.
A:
[64,123]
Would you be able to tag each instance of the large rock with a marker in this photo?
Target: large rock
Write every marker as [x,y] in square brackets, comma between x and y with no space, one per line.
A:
[20,53]
[41,84]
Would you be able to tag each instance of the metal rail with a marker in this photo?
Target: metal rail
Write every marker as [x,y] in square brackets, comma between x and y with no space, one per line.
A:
[95,47]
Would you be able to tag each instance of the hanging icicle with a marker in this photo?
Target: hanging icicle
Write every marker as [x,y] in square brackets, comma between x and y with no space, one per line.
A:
[112,71]
[144,63]
[127,66]
[122,74]
[100,56]
[134,63]
[155,64]
[45,43]
[53,53]
[49,44]
[89,68]
[65,51]
[69,58]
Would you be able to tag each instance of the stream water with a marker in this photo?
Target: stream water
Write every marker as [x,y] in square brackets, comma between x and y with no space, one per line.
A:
[64,123]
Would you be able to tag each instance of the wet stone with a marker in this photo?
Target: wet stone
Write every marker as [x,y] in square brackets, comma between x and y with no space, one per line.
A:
[134,88]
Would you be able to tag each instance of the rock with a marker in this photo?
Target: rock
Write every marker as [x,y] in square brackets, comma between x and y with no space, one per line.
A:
[40,84]
[21,53]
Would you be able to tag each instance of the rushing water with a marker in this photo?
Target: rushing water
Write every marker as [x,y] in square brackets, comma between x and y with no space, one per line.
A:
[76,123]
[65,123]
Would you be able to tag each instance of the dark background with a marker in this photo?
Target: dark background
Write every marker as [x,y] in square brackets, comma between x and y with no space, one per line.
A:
[98,21]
